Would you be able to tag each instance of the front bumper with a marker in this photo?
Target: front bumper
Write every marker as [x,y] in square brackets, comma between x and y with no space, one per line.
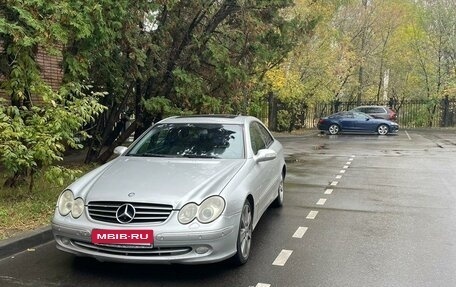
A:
[394,129]
[173,242]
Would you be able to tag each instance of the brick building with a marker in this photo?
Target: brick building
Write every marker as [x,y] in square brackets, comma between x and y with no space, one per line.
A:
[51,71]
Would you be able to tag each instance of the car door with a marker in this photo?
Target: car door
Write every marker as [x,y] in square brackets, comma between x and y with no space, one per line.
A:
[364,123]
[265,171]
[347,121]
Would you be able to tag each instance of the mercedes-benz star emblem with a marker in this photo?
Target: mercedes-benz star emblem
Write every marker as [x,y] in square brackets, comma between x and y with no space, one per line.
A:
[125,213]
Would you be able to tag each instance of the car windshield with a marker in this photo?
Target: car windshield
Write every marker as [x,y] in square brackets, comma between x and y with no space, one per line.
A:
[191,140]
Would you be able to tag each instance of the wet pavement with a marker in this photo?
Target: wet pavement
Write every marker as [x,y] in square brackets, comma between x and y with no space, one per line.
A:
[359,210]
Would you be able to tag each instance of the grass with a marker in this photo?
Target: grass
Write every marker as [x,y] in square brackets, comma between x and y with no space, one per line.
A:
[21,210]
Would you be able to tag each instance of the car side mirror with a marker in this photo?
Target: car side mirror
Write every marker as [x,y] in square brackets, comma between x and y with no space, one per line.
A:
[265,155]
[120,150]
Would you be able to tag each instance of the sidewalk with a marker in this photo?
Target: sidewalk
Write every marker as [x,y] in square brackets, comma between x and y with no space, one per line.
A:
[24,241]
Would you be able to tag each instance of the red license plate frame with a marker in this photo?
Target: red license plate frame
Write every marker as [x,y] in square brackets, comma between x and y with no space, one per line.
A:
[123,236]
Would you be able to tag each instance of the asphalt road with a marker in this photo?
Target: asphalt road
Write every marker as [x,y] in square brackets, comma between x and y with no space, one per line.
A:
[360,210]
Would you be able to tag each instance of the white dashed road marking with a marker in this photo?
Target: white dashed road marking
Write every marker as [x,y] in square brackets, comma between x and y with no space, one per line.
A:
[328,191]
[312,214]
[300,232]
[321,201]
[348,163]
[408,135]
[282,257]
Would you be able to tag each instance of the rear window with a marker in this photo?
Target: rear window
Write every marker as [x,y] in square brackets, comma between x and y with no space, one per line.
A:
[374,110]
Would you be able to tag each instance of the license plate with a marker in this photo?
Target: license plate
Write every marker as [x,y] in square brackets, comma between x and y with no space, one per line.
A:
[123,237]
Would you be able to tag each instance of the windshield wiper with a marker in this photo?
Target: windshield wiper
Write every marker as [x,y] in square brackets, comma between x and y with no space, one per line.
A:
[199,156]
[149,154]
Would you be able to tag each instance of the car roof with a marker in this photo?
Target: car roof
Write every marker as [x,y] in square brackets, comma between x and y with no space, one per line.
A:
[370,107]
[211,119]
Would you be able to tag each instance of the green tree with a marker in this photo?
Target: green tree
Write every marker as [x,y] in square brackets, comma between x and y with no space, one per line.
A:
[189,57]
[34,137]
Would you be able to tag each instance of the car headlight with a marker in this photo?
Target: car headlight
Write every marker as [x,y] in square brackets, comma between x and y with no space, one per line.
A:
[67,204]
[78,207]
[209,210]
[188,213]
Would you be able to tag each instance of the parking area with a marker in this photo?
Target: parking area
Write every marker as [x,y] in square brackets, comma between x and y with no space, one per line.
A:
[359,210]
[385,208]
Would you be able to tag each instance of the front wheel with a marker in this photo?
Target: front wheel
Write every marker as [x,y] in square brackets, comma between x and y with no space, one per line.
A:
[244,238]
[382,130]
[333,129]
[278,202]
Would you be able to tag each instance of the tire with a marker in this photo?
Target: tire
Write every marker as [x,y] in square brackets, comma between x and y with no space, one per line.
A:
[244,238]
[383,130]
[333,129]
[278,202]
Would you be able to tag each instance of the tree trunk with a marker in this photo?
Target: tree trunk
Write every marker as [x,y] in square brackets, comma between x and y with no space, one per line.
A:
[363,45]
[12,181]
[272,114]
[104,157]
[105,128]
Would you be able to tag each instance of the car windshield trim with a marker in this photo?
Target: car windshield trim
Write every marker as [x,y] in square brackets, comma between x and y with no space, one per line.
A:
[199,156]
[149,154]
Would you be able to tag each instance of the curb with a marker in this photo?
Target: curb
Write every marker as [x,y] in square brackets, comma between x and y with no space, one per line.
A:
[25,240]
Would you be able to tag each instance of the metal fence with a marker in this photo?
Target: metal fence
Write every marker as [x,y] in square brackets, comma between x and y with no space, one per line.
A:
[410,114]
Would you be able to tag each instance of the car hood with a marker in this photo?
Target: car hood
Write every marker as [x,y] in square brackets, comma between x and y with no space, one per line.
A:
[159,180]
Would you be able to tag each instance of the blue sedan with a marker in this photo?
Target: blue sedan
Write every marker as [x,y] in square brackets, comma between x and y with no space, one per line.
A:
[356,122]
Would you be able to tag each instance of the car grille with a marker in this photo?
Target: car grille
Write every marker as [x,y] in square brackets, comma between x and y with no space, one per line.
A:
[145,212]
[132,250]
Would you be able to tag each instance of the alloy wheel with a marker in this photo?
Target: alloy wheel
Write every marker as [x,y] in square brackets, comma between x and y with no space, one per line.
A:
[382,130]
[278,202]
[333,129]
[245,230]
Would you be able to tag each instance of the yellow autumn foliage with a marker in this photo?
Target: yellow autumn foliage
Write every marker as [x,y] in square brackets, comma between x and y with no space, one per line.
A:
[287,85]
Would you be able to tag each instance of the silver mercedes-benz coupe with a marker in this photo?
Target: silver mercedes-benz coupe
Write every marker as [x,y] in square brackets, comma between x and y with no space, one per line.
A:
[190,190]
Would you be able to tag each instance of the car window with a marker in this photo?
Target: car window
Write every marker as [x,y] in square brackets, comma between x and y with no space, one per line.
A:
[348,115]
[341,115]
[256,138]
[267,138]
[373,110]
[357,115]
[191,140]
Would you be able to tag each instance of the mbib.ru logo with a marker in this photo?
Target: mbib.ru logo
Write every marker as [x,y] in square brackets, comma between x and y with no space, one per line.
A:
[140,237]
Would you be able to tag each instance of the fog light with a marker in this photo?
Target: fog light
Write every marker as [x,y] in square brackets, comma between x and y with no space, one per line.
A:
[202,249]
[65,241]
